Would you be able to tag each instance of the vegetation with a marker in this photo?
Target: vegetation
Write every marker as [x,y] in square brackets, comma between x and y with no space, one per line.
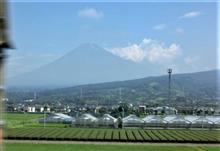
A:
[19,120]
[104,147]
[151,90]
[123,135]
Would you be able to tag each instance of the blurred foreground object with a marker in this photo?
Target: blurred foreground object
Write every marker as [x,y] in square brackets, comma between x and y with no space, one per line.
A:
[4,44]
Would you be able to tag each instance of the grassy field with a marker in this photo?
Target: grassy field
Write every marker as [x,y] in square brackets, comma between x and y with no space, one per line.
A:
[114,135]
[105,147]
[25,126]
[19,120]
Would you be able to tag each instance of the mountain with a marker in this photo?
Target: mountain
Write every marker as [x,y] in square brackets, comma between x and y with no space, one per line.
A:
[86,64]
[198,87]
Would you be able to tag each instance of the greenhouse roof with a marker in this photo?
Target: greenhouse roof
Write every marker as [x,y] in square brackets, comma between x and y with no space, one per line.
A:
[132,119]
[215,119]
[156,119]
[107,117]
[202,119]
[179,120]
[61,115]
[87,117]
[191,118]
[170,117]
[148,117]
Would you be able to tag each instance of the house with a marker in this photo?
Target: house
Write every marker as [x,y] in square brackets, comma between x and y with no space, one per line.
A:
[164,110]
[142,108]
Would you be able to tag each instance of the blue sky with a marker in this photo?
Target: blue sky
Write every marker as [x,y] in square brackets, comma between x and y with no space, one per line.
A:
[178,35]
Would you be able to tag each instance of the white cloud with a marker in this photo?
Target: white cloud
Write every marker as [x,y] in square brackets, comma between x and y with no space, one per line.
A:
[152,50]
[90,13]
[159,27]
[192,14]
[180,31]
[133,52]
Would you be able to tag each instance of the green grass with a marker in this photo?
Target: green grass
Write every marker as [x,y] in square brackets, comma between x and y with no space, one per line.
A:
[104,147]
[14,120]
[19,120]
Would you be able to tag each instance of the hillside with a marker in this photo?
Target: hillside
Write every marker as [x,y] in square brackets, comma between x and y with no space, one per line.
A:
[197,87]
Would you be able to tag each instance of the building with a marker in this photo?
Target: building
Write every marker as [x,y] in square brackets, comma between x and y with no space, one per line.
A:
[142,108]
[165,110]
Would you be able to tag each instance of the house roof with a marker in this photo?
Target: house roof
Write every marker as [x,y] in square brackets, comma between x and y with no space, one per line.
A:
[4,37]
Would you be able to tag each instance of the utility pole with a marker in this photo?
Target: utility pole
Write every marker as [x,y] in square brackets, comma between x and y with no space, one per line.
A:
[44,118]
[35,96]
[81,93]
[120,94]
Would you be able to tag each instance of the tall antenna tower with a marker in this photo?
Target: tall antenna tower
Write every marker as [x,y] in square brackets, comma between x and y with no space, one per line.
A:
[169,71]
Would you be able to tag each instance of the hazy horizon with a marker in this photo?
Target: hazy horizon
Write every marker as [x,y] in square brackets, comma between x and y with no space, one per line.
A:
[156,36]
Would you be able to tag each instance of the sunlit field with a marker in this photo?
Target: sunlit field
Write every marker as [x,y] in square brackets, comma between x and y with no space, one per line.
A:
[104,147]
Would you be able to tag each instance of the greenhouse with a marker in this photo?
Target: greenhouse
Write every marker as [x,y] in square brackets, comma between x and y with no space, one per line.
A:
[107,121]
[215,120]
[155,121]
[169,117]
[191,118]
[179,122]
[202,122]
[86,120]
[132,121]
[148,117]
[57,118]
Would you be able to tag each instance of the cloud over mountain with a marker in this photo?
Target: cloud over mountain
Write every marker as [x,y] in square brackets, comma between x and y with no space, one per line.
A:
[152,50]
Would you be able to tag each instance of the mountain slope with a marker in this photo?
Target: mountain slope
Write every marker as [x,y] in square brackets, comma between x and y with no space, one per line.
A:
[199,87]
[86,64]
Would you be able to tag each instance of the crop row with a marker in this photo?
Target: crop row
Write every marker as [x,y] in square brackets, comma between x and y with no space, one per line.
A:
[123,135]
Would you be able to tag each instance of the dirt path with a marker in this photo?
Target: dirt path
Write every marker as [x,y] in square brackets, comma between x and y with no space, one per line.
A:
[107,143]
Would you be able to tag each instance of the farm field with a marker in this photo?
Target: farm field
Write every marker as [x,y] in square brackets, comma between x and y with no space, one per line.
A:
[20,120]
[114,135]
[105,147]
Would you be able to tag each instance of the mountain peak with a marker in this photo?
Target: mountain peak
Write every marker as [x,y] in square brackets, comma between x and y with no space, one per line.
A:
[88,46]
[88,63]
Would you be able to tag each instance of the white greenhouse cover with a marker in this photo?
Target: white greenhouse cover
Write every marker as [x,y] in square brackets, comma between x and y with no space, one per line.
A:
[57,117]
[132,119]
[87,117]
[214,119]
[61,115]
[179,120]
[156,119]
[191,118]
[202,120]
[170,117]
[107,117]
[148,117]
